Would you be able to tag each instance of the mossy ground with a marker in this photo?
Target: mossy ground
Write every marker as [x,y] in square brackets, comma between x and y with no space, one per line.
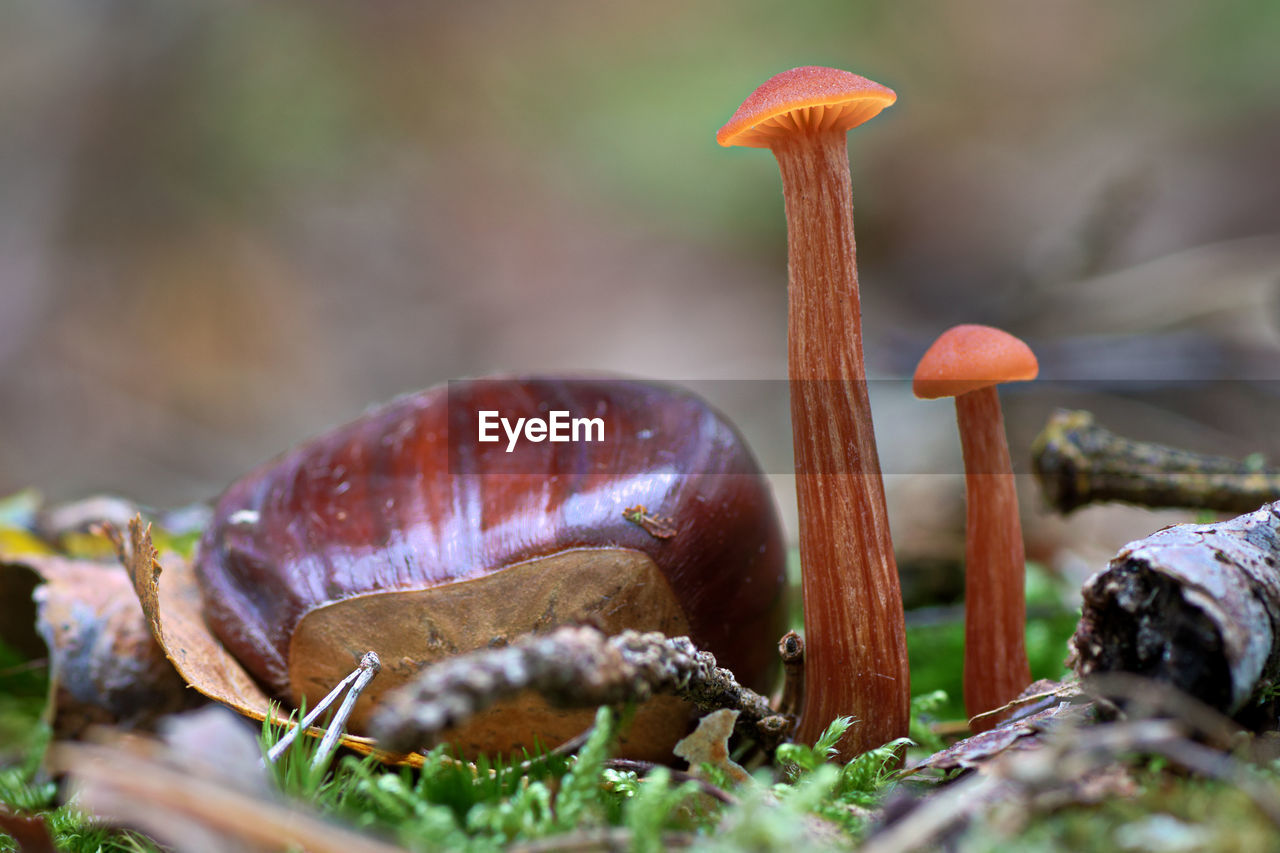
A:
[799,801]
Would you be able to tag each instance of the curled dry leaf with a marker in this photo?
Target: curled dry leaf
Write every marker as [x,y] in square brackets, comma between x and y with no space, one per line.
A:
[174,617]
[171,601]
[977,750]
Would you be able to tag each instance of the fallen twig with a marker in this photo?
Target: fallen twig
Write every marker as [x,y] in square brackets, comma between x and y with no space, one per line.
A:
[791,650]
[1055,770]
[572,666]
[369,667]
[1078,463]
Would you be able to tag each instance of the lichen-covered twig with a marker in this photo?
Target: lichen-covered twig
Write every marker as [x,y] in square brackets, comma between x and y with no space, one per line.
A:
[1078,462]
[1196,606]
[572,666]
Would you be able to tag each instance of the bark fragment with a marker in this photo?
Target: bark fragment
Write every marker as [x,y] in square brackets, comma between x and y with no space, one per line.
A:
[1196,606]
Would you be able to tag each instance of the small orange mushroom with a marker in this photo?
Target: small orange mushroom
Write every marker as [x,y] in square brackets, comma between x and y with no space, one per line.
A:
[855,641]
[967,362]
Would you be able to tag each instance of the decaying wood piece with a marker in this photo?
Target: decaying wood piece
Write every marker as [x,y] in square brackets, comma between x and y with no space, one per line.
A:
[576,666]
[1078,463]
[1193,605]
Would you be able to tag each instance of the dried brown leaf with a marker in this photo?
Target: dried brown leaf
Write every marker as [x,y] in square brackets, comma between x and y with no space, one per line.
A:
[171,600]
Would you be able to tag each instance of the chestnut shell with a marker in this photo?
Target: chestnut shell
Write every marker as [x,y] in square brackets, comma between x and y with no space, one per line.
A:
[406,498]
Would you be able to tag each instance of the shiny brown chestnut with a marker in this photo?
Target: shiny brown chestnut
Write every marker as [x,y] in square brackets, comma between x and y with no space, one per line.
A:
[403,533]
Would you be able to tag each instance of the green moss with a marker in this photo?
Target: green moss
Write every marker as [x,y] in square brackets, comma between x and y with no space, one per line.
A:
[24,688]
[803,801]
[26,790]
[936,648]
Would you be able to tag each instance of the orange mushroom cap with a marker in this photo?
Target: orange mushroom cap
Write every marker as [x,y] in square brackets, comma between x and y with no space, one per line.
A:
[969,357]
[807,98]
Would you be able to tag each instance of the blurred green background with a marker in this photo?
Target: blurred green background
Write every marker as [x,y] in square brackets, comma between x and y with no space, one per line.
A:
[225,226]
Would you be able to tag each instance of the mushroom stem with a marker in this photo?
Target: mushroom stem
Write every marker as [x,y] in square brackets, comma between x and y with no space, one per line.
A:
[855,642]
[995,653]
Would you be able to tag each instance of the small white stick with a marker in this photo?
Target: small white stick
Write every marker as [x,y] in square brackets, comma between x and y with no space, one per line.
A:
[273,754]
[369,666]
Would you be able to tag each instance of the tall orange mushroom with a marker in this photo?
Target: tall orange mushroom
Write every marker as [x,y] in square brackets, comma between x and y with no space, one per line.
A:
[855,642]
[967,362]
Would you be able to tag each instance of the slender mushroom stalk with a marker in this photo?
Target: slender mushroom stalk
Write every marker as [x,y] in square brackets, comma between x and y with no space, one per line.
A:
[855,642]
[967,362]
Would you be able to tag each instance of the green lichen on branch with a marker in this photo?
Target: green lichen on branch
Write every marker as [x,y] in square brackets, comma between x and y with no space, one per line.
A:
[1078,462]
